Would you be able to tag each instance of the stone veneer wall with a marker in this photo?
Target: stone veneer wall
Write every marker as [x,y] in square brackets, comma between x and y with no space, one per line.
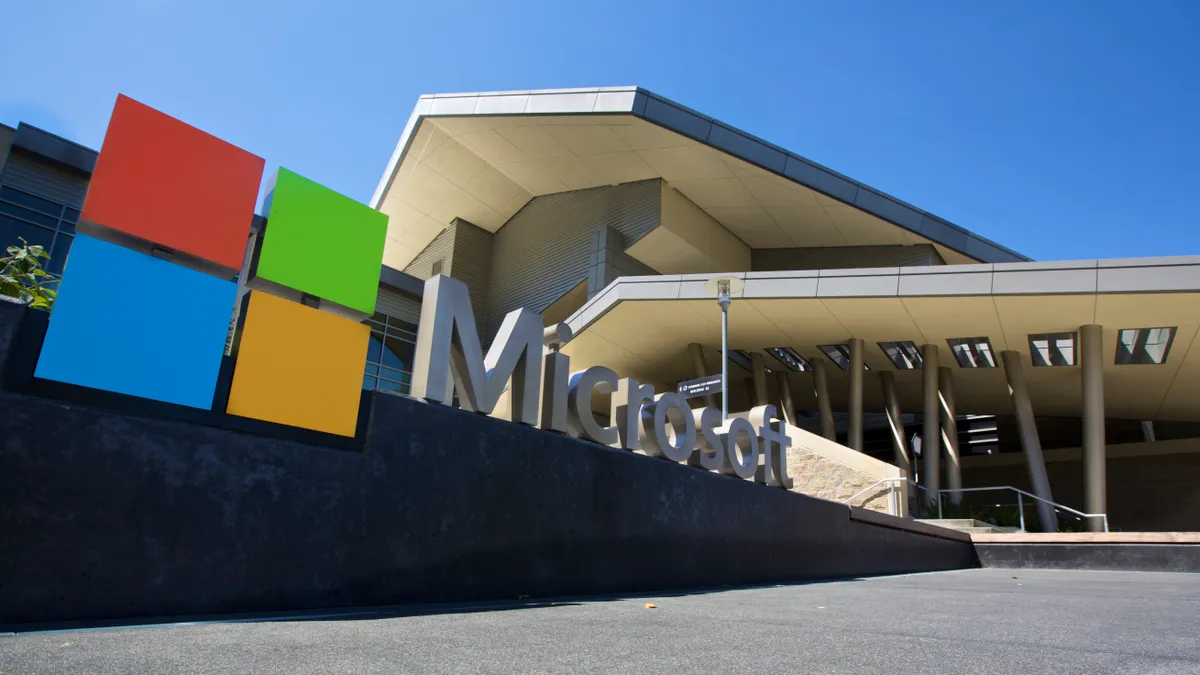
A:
[822,468]
[822,477]
[828,470]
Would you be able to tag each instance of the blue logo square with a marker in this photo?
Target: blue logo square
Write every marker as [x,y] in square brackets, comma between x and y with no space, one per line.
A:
[129,323]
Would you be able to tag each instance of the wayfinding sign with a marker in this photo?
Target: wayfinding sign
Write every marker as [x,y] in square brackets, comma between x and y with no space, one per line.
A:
[701,387]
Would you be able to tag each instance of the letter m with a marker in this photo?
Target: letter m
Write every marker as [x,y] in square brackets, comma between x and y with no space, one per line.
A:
[448,347]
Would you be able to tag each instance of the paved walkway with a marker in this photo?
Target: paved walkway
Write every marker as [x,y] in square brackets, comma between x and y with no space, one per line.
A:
[973,621]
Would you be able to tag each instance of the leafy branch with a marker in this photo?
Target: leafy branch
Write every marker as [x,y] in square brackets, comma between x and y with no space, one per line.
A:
[22,276]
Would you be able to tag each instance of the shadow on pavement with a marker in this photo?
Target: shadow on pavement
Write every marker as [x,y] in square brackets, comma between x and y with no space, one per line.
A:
[379,612]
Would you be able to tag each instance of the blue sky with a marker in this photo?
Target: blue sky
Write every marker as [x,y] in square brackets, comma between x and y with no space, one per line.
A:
[1059,129]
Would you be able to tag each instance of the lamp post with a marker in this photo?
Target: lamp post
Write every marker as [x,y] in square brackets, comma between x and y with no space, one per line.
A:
[724,287]
[723,301]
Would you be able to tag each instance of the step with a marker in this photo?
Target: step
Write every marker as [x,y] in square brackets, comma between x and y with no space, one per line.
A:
[953,522]
[967,525]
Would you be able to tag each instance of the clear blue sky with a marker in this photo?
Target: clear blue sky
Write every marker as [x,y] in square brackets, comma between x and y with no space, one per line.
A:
[1059,129]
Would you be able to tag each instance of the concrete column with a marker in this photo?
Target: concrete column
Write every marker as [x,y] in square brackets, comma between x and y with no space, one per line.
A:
[854,434]
[892,407]
[1029,437]
[950,433]
[751,394]
[759,370]
[821,385]
[701,367]
[1095,485]
[786,405]
[931,431]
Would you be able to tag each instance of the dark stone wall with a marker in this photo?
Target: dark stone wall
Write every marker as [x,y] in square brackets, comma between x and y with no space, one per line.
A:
[11,315]
[112,515]
[1073,556]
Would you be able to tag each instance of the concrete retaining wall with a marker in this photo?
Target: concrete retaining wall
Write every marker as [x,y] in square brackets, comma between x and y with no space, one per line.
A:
[1078,556]
[108,514]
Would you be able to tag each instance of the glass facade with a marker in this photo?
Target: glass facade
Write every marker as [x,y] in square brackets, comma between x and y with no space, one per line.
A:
[390,354]
[1052,349]
[972,352]
[38,221]
[1145,346]
[904,355]
[790,358]
[840,355]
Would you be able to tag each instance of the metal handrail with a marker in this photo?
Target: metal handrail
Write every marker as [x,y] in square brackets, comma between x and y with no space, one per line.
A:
[872,486]
[1021,494]
[1020,501]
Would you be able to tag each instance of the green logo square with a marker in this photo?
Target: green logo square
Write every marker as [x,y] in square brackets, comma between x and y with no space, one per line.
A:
[322,243]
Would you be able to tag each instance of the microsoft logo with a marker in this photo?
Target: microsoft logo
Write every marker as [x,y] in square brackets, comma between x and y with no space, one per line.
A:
[147,293]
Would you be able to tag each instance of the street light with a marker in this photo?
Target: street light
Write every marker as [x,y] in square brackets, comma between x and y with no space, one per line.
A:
[724,287]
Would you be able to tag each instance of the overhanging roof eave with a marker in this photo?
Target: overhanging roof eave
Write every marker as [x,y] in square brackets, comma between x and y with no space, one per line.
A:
[1175,274]
[704,129]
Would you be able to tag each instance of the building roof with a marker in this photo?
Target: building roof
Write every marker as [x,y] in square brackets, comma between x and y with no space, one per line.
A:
[641,326]
[482,156]
[65,152]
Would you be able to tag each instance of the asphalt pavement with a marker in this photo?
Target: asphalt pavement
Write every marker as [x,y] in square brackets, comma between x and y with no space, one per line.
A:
[970,621]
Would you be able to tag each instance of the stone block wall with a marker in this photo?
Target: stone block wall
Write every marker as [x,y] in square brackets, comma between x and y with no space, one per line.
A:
[822,468]
[822,477]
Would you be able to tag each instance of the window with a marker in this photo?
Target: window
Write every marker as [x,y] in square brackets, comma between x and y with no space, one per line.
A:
[840,355]
[390,353]
[972,352]
[790,358]
[903,355]
[437,268]
[1144,346]
[740,357]
[1052,349]
[38,221]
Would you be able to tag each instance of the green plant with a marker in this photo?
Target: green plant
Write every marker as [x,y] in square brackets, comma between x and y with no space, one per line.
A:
[22,276]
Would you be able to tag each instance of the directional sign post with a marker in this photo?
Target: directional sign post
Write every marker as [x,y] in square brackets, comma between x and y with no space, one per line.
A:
[703,386]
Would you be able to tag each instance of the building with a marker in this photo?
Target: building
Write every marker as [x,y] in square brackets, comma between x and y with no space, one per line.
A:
[610,208]
[43,181]
[868,321]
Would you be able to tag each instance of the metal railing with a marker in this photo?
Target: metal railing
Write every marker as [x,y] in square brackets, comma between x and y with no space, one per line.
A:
[893,503]
[1021,495]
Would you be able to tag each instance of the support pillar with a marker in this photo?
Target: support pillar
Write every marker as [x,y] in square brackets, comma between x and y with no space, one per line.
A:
[821,385]
[854,431]
[759,370]
[892,407]
[950,433]
[701,366]
[931,415]
[1148,431]
[1030,442]
[1091,361]
[785,397]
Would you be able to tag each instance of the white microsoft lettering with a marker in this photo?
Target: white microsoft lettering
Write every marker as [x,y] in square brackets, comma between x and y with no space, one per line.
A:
[663,425]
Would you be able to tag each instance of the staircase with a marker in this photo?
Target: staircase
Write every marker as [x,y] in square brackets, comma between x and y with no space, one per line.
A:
[967,525]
